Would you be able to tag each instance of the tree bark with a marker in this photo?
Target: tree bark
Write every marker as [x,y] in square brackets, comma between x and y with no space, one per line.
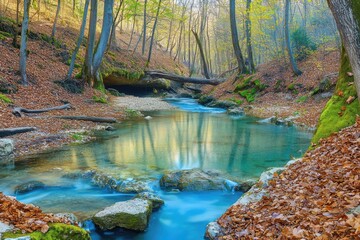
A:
[24,29]
[170,76]
[248,37]
[202,55]
[347,17]
[294,66]
[112,40]
[144,30]
[153,33]
[53,32]
[235,39]
[133,26]
[80,39]
[87,70]
[12,131]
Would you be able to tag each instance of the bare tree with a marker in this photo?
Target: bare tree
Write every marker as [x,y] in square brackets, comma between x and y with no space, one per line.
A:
[235,39]
[56,19]
[25,24]
[248,37]
[153,32]
[80,39]
[294,66]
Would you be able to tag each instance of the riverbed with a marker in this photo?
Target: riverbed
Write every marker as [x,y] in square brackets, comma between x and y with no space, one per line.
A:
[192,136]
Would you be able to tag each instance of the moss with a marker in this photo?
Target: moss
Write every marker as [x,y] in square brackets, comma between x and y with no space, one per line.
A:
[237,101]
[5,99]
[122,72]
[131,113]
[244,84]
[58,231]
[338,114]
[302,99]
[249,94]
[100,99]
[291,87]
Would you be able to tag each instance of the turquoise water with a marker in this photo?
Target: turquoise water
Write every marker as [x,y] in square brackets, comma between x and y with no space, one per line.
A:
[191,137]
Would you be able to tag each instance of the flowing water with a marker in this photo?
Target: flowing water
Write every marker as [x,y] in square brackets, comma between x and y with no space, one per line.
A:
[191,137]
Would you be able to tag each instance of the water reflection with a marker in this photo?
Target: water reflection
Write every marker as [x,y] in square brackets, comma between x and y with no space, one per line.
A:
[173,140]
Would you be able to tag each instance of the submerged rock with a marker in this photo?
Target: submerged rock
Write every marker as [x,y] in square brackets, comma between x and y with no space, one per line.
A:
[28,187]
[105,181]
[200,180]
[133,186]
[6,147]
[132,214]
[155,200]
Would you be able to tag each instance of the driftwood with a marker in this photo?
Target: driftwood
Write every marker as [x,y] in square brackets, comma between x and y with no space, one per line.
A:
[91,119]
[178,78]
[11,131]
[18,111]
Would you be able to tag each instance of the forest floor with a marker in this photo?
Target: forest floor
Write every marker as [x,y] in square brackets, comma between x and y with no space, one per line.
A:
[285,94]
[315,198]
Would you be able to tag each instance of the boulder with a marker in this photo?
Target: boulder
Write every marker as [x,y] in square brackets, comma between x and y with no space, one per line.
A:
[132,214]
[222,104]
[133,186]
[155,200]
[194,180]
[6,147]
[28,187]
[104,181]
[236,111]
[213,231]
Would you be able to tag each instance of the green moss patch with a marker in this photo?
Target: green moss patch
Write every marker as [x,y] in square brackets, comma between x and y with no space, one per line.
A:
[58,231]
[100,99]
[337,113]
[249,87]
[5,99]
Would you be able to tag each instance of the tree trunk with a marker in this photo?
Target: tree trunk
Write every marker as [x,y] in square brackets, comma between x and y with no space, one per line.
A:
[16,31]
[202,55]
[347,17]
[56,18]
[170,76]
[235,39]
[144,30]
[87,70]
[24,29]
[133,26]
[80,39]
[153,33]
[248,37]
[112,40]
[87,118]
[12,131]
[101,46]
[294,66]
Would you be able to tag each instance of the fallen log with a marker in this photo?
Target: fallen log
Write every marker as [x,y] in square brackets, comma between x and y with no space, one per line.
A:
[18,111]
[178,78]
[91,119]
[12,131]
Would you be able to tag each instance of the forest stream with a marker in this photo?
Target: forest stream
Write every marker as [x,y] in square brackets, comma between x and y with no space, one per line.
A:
[191,136]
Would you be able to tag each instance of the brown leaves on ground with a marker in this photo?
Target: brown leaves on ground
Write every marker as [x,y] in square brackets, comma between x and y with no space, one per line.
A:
[26,217]
[310,200]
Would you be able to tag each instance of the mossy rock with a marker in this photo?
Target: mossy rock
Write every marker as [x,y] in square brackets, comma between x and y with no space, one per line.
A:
[337,113]
[132,214]
[58,231]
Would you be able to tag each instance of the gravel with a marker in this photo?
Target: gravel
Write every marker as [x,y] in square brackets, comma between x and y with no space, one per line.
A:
[142,103]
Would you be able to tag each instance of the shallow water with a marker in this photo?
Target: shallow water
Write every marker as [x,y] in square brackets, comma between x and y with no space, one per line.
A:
[192,137]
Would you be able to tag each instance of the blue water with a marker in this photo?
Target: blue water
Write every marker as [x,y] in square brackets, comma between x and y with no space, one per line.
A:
[191,137]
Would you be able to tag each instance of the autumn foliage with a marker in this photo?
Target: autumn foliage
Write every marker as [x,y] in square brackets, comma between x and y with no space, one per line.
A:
[26,217]
[312,199]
